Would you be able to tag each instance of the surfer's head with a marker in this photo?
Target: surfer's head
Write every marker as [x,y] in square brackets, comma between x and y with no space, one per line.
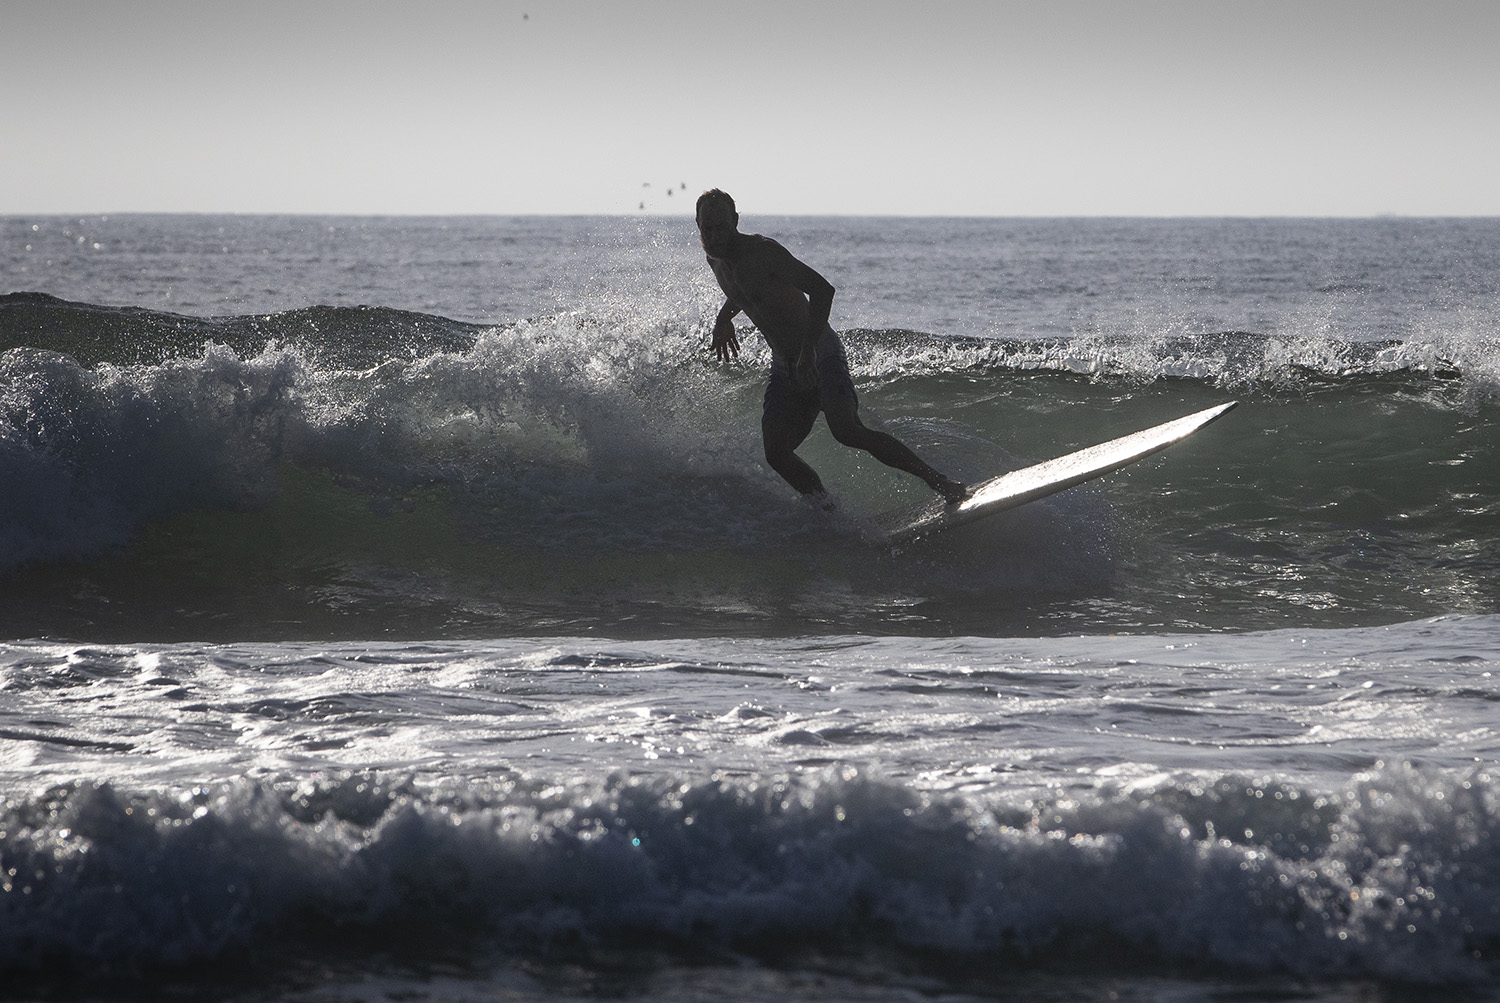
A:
[718,222]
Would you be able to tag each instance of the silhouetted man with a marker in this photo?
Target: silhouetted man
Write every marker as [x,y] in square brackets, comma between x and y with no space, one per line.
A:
[790,303]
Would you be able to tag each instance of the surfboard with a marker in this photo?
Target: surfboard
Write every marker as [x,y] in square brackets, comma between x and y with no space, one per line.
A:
[1039,480]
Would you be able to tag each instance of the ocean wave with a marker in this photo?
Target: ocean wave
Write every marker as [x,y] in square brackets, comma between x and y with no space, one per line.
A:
[87,456]
[1233,360]
[355,337]
[364,337]
[574,450]
[1391,877]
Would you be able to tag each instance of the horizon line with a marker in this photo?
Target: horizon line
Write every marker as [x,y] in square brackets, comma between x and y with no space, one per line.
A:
[401,214]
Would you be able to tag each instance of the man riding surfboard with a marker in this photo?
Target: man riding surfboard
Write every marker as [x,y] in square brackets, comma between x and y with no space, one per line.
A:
[790,303]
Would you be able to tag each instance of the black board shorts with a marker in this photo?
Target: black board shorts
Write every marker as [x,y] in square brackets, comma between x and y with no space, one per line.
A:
[792,408]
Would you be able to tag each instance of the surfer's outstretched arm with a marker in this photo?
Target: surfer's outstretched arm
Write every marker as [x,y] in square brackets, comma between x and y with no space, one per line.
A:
[725,342]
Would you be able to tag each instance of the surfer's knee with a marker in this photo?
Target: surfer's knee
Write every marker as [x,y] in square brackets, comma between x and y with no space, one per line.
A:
[792,469]
[848,430]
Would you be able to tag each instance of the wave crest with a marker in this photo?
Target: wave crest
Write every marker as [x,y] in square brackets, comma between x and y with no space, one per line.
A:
[1392,877]
[87,456]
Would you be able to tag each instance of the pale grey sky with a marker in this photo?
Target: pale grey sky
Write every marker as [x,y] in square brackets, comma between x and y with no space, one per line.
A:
[980,107]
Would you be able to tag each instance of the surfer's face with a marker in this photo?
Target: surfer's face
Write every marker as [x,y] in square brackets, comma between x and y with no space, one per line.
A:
[717,225]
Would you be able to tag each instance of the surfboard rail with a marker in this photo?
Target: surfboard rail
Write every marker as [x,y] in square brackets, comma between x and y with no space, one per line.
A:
[1039,480]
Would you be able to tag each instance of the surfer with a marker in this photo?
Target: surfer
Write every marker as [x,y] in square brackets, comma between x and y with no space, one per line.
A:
[789,302]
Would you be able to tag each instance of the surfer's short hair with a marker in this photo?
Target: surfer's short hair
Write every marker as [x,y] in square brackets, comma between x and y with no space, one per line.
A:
[712,196]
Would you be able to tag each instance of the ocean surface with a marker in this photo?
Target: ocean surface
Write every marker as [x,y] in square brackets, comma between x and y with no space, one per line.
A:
[400,608]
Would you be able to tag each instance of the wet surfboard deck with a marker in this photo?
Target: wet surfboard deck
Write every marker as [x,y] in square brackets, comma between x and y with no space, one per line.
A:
[1039,480]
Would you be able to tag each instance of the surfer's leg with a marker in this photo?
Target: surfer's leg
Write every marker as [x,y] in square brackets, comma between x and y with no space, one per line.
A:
[840,405]
[786,419]
[844,423]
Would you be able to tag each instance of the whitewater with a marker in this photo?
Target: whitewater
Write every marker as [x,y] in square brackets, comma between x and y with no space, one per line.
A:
[401,608]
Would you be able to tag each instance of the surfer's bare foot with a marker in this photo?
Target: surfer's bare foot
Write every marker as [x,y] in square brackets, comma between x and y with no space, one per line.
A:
[823,500]
[952,491]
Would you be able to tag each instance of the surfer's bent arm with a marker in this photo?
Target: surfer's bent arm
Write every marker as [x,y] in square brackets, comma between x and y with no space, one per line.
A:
[725,343]
[819,298]
[819,292]
[806,280]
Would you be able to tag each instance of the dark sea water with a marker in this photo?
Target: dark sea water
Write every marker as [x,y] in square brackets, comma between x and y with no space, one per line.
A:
[400,608]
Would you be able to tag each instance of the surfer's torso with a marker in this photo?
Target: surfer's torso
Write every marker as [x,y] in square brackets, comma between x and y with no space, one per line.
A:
[757,277]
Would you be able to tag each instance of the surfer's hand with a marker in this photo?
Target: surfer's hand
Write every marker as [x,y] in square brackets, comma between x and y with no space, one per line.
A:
[726,343]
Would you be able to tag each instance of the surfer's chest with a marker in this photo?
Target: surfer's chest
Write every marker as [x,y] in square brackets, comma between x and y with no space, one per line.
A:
[751,286]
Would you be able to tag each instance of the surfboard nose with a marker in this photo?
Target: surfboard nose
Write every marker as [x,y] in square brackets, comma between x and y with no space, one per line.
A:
[1039,480]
